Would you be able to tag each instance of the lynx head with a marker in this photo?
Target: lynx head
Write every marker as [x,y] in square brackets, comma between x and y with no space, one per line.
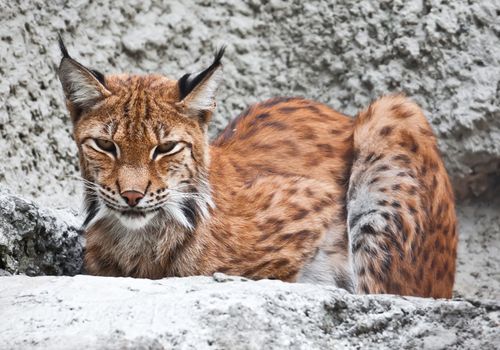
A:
[142,143]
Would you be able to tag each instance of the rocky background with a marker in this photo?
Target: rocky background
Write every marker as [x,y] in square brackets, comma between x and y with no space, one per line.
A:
[444,54]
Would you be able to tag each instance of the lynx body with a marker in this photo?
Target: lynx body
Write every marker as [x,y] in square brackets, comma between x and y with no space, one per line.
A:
[290,190]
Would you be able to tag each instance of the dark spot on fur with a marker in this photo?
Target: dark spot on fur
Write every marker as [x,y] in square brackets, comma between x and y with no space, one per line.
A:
[367,229]
[434,182]
[382,202]
[299,235]
[403,158]
[382,167]
[262,116]
[396,204]
[386,130]
[412,209]
[190,212]
[91,207]
[326,149]
[257,268]
[412,190]
[288,109]
[313,160]
[423,171]
[371,269]
[369,157]
[309,192]
[307,133]
[356,246]
[398,220]
[302,213]
[374,180]
[281,263]
[377,158]
[354,219]
[263,146]
[437,244]
[387,264]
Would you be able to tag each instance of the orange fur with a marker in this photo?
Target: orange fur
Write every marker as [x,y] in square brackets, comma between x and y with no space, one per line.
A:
[277,185]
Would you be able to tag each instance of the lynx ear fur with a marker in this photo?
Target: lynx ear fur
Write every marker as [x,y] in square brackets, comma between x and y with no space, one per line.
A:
[197,91]
[83,87]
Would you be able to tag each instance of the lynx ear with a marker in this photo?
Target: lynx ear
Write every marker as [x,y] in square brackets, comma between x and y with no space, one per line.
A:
[83,87]
[197,91]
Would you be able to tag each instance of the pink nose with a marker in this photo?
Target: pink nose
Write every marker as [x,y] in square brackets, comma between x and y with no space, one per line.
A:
[132,197]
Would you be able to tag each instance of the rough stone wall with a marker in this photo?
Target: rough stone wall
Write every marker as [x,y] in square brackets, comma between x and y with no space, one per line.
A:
[444,54]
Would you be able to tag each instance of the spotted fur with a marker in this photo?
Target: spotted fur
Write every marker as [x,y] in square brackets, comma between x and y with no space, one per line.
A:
[290,190]
[401,221]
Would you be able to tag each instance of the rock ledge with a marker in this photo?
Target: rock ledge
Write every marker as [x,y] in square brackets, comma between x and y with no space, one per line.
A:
[225,312]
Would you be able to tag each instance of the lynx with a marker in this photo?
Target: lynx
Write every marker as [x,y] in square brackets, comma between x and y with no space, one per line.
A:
[290,190]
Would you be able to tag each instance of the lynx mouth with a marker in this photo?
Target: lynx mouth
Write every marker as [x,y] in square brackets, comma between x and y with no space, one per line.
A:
[133,214]
[133,219]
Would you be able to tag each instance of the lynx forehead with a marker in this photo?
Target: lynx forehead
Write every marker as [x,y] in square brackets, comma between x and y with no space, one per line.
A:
[291,189]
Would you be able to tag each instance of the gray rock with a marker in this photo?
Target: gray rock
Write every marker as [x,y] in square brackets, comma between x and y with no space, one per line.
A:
[444,54]
[34,241]
[86,312]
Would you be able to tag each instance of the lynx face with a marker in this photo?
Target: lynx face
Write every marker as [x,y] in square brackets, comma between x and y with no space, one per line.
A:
[142,143]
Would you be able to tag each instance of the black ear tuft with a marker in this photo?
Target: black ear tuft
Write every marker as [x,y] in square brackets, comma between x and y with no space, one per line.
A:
[189,81]
[99,76]
[64,51]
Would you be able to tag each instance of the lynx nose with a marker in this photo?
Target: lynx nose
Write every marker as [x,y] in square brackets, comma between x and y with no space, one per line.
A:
[132,197]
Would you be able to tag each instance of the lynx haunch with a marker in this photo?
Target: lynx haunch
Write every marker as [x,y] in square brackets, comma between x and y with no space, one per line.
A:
[290,190]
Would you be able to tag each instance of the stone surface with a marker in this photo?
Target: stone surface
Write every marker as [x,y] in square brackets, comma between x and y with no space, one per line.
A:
[35,241]
[444,54]
[85,312]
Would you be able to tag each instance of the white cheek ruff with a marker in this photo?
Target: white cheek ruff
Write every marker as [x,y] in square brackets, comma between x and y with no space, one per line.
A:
[102,213]
[134,223]
[174,210]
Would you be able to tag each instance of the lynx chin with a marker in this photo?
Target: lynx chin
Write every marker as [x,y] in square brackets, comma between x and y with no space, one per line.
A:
[290,190]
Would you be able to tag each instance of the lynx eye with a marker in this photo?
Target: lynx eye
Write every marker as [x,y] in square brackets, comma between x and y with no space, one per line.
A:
[167,148]
[106,146]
